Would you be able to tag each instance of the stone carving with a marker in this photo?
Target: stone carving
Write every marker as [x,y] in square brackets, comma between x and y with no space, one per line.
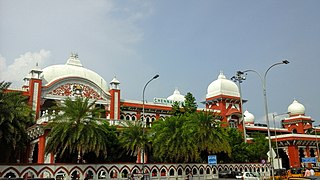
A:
[76,89]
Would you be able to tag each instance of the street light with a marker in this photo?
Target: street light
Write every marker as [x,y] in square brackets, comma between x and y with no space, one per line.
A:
[275,134]
[263,82]
[239,78]
[143,119]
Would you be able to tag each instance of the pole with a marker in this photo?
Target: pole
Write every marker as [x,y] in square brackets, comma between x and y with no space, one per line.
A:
[264,90]
[315,133]
[239,78]
[275,134]
[143,123]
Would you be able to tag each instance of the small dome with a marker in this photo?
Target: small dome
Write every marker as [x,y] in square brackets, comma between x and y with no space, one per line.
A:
[115,81]
[248,117]
[73,68]
[296,108]
[176,96]
[222,86]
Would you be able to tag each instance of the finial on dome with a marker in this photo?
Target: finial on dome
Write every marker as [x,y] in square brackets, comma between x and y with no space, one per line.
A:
[221,75]
[176,91]
[74,60]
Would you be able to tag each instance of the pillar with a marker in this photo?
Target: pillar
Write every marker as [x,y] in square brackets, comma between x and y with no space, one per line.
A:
[293,153]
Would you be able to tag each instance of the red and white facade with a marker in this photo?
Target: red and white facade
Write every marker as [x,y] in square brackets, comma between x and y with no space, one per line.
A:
[48,86]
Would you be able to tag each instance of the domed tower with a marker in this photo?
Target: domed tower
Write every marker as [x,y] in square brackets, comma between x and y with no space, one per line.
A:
[53,85]
[248,118]
[223,98]
[297,122]
[176,97]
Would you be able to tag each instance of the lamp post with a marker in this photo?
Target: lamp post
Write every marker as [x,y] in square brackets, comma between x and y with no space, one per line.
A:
[239,77]
[143,121]
[317,144]
[263,82]
[275,133]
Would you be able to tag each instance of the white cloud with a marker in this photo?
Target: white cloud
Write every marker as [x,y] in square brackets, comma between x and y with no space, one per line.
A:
[21,66]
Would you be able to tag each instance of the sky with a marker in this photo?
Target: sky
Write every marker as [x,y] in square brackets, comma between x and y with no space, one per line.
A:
[187,42]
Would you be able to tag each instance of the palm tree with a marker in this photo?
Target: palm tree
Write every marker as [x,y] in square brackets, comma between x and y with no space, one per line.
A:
[134,138]
[211,137]
[171,141]
[77,129]
[15,117]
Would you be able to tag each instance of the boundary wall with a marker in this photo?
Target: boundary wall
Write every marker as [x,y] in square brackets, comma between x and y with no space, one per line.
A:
[124,171]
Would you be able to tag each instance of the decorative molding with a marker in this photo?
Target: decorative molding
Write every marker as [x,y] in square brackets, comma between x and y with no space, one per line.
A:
[74,90]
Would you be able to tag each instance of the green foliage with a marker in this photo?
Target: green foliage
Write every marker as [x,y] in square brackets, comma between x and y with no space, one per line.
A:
[187,137]
[239,153]
[171,141]
[257,150]
[190,105]
[15,117]
[133,137]
[78,130]
[176,109]
[253,151]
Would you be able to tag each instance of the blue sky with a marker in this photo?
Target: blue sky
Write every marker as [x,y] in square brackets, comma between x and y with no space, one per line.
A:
[186,42]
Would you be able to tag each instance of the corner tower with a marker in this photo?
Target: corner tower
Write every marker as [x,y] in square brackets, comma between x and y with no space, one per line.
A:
[297,122]
[35,87]
[223,98]
[115,99]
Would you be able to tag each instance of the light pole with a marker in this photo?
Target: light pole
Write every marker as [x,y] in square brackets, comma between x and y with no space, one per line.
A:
[263,82]
[317,144]
[239,78]
[143,121]
[275,133]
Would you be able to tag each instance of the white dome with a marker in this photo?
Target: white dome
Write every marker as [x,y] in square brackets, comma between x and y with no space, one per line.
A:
[73,68]
[296,108]
[222,86]
[248,117]
[176,96]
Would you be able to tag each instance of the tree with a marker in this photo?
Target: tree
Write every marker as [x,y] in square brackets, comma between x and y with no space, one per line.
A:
[190,105]
[171,141]
[209,135]
[15,117]
[188,138]
[239,149]
[134,138]
[77,129]
[257,150]
[176,110]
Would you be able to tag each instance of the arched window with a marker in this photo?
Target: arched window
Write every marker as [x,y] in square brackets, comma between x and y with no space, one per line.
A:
[163,172]
[194,171]
[124,173]
[171,172]
[154,173]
